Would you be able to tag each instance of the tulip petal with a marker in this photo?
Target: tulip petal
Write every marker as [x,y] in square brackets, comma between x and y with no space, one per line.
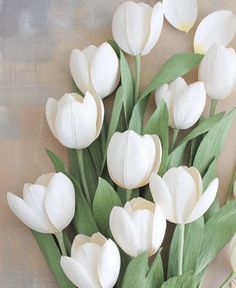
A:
[183,192]
[104,70]
[79,68]
[189,105]
[77,273]
[60,201]
[100,116]
[161,195]
[155,27]
[75,127]
[98,238]
[108,265]
[232,253]
[159,229]
[26,214]
[196,177]
[124,231]
[158,155]
[181,14]
[78,241]
[138,18]
[119,24]
[217,28]
[51,111]
[34,196]
[45,179]
[205,201]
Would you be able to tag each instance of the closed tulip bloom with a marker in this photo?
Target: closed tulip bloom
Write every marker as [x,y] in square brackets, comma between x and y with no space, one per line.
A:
[138,227]
[95,69]
[185,103]
[180,194]
[48,206]
[218,71]
[132,158]
[232,253]
[94,262]
[75,121]
[136,27]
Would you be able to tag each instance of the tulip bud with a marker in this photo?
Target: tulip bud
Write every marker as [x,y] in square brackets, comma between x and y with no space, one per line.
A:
[95,69]
[48,206]
[138,227]
[232,253]
[75,121]
[94,262]
[136,27]
[218,71]
[185,103]
[179,193]
[132,158]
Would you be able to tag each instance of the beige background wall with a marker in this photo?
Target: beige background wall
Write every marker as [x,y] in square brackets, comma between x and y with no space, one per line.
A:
[36,38]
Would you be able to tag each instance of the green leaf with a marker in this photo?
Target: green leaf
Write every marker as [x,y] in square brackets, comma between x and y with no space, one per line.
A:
[158,124]
[184,281]
[136,271]
[127,86]
[208,177]
[116,111]
[57,162]
[176,66]
[73,163]
[203,127]
[155,276]
[218,231]
[52,256]
[105,199]
[192,242]
[212,143]
[175,158]
[114,46]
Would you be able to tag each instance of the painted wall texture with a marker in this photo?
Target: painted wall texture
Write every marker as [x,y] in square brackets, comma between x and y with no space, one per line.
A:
[36,38]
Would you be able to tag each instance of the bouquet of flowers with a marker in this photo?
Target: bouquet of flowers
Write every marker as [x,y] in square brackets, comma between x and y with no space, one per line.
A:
[100,219]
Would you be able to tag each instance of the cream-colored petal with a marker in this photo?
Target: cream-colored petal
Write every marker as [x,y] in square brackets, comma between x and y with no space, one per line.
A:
[26,214]
[44,179]
[108,266]
[124,231]
[159,229]
[205,201]
[78,241]
[51,112]
[155,28]
[181,14]
[77,273]
[79,68]
[98,238]
[217,28]
[60,201]
[105,70]
[232,253]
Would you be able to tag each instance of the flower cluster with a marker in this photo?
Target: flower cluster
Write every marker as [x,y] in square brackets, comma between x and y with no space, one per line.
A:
[144,181]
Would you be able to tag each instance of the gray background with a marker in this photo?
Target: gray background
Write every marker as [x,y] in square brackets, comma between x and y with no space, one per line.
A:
[36,38]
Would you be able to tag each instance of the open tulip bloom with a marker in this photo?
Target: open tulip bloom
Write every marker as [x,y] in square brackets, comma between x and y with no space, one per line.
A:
[129,172]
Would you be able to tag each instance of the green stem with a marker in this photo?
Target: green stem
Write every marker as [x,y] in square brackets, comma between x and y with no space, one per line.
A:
[83,177]
[174,138]
[181,249]
[128,194]
[61,243]
[137,78]
[227,281]
[213,107]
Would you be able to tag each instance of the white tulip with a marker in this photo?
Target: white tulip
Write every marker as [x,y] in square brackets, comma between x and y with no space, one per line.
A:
[182,14]
[138,227]
[218,71]
[95,69]
[217,28]
[180,194]
[75,121]
[94,262]
[48,206]
[136,27]
[185,103]
[132,158]
[232,253]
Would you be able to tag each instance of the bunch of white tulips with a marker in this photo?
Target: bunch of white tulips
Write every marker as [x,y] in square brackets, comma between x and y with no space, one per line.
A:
[126,181]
